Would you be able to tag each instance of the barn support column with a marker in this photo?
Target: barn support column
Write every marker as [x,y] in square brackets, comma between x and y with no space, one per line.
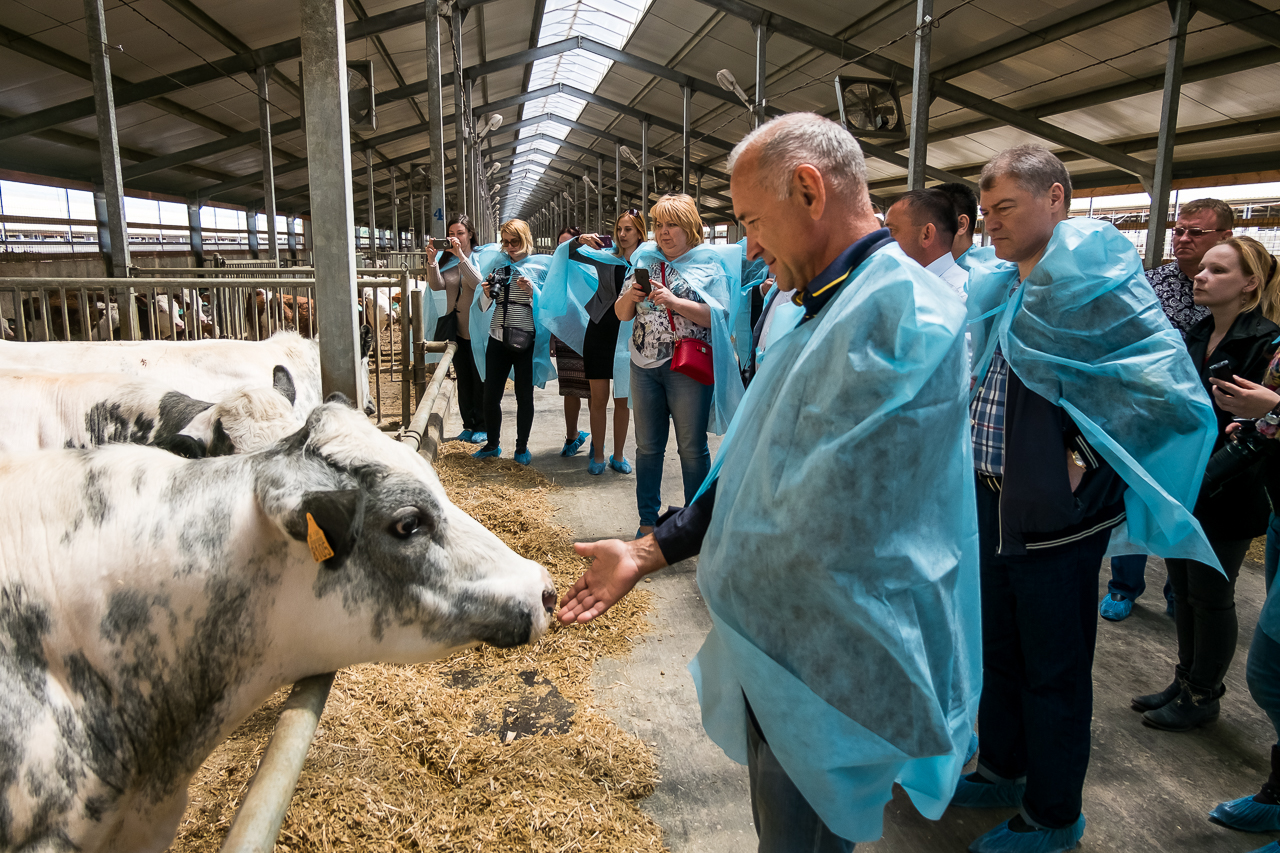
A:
[291,236]
[373,223]
[433,222]
[268,165]
[395,213]
[644,172]
[194,231]
[617,182]
[1161,181]
[462,179]
[921,97]
[600,228]
[324,75]
[684,141]
[115,251]
[762,39]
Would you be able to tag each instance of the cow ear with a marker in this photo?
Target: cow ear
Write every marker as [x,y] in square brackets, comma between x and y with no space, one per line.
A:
[330,523]
[221,445]
[366,340]
[282,381]
[185,446]
[339,397]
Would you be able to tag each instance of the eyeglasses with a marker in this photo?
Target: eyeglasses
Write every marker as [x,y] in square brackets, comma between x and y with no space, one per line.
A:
[515,242]
[1195,233]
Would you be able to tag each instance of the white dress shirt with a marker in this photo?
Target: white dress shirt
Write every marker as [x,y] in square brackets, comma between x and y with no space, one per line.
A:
[956,276]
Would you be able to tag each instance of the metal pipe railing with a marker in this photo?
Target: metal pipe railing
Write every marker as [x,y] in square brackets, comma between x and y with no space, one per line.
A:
[418,426]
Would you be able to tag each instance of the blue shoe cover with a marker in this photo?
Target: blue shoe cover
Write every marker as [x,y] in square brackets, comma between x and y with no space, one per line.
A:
[1115,611]
[1246,815]
[622,466]
[1004,840]
[981,795]
[1273,847]
[594,467]
[524,457]
[478,437]
[465,435]
[487,454]
[973,747]
[572,446]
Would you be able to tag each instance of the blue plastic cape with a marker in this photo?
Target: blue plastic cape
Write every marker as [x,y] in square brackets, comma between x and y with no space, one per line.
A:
[786,316]
[436,302]
[568,288]
[841,564]
[487,258]
[1086,332]
[753,273]
[714,273]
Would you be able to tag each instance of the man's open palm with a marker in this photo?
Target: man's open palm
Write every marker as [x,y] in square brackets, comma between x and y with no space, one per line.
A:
[610,576]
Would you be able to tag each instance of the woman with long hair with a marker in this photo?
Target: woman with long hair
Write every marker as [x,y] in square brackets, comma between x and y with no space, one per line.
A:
[1237,284]
[686,299]
[455,274]
[570,374]
[505,336]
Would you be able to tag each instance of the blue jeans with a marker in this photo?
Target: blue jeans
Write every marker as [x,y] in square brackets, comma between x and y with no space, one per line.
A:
[659,396]
[1128,577]
[1271,556]
[1263,675]
[1039,628]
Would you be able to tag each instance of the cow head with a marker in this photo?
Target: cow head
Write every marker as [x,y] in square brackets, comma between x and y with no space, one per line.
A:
[418,575]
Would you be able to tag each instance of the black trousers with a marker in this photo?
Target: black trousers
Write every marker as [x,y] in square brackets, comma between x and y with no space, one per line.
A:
[470,387]
[498,363]
[1039,628]
[1205,612]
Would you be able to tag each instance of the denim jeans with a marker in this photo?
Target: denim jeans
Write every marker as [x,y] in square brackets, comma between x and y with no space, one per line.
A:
[1039,629]
[785,822]
[1263,675]
[1271,556]
[1128,577]
[659,396]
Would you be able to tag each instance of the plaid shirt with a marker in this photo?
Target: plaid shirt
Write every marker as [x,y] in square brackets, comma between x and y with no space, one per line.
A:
[986,414]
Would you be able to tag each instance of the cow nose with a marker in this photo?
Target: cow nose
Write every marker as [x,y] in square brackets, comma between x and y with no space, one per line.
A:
[549,599]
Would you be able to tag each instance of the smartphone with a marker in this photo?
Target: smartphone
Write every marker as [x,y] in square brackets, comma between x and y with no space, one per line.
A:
[440,245]
[606,242]
[642,280]
[1221,370]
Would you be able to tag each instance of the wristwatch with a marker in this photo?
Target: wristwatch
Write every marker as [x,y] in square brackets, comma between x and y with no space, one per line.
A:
[1078,460]
[1272,418]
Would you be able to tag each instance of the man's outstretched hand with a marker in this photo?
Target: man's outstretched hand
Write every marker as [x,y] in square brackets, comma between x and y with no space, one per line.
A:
[618,566]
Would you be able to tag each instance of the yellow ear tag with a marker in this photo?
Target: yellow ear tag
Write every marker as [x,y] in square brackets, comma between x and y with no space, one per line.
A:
[316,541]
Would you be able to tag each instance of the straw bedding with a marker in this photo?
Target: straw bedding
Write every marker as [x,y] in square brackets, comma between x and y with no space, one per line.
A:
[488,750]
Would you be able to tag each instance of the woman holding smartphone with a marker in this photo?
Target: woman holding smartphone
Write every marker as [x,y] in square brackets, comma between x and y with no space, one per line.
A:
[1237,284]
[505,337]
[679,289]
[457,276]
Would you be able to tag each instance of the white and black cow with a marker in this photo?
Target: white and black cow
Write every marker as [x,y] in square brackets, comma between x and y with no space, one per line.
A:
[204,369]
[44,411]
[149,603]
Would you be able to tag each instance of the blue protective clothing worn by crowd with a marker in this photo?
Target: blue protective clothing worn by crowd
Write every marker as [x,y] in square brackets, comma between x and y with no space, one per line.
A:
[1086,332]
[840,566]
[715,273]
[753,275]
[487,258]
[567,289]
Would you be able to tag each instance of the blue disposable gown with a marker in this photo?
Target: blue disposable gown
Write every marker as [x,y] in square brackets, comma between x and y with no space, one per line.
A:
[487,258]
[435,303]
[841,564]
[568,288]
[1086,332]
[715,274]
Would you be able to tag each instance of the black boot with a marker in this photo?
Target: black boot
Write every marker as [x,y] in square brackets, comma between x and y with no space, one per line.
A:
[1193,707]
[1152,701]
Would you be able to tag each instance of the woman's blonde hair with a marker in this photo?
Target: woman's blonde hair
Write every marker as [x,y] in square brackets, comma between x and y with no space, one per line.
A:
[1257,263]
[519,229]
[681,210]
[637,219]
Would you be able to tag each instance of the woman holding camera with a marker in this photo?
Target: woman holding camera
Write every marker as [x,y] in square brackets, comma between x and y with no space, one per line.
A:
[570,374]
[457,276]
[1237,283]
[682,295]
[505,337]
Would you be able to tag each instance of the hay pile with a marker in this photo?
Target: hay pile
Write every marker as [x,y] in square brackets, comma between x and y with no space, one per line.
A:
[490,750]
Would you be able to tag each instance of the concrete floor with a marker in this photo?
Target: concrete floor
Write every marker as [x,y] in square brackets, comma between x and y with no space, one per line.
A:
[1146,790]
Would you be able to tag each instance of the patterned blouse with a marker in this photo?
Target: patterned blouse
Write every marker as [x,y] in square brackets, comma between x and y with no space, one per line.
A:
[1173,289]
[652,341]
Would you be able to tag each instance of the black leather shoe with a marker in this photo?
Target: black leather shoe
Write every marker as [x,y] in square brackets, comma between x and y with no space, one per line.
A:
[1152,701]
[1190,709]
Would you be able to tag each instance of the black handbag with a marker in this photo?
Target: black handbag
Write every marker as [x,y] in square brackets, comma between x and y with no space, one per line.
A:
[517,341]
[447,326]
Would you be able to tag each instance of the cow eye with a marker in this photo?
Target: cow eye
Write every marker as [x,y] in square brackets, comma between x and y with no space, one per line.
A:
[406,523]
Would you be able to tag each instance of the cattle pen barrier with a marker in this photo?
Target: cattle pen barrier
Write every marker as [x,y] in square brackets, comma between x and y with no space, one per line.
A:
[261,814]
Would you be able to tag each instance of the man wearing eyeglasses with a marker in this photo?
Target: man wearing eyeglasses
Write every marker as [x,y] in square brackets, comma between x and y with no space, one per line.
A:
[1201,225]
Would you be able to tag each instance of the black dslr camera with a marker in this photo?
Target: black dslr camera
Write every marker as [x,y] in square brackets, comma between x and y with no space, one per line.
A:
[1244,449]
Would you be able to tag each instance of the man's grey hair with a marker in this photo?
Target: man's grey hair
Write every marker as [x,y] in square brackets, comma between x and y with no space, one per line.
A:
[1035,169]
[787,142]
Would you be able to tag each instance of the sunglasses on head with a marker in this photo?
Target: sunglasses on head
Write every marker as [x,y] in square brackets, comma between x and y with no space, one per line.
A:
[1193,233]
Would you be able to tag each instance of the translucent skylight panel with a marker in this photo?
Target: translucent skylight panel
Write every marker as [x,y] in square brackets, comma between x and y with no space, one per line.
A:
[609,22]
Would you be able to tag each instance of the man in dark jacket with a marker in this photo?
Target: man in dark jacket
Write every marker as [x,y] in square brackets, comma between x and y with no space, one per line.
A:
[1049,497]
